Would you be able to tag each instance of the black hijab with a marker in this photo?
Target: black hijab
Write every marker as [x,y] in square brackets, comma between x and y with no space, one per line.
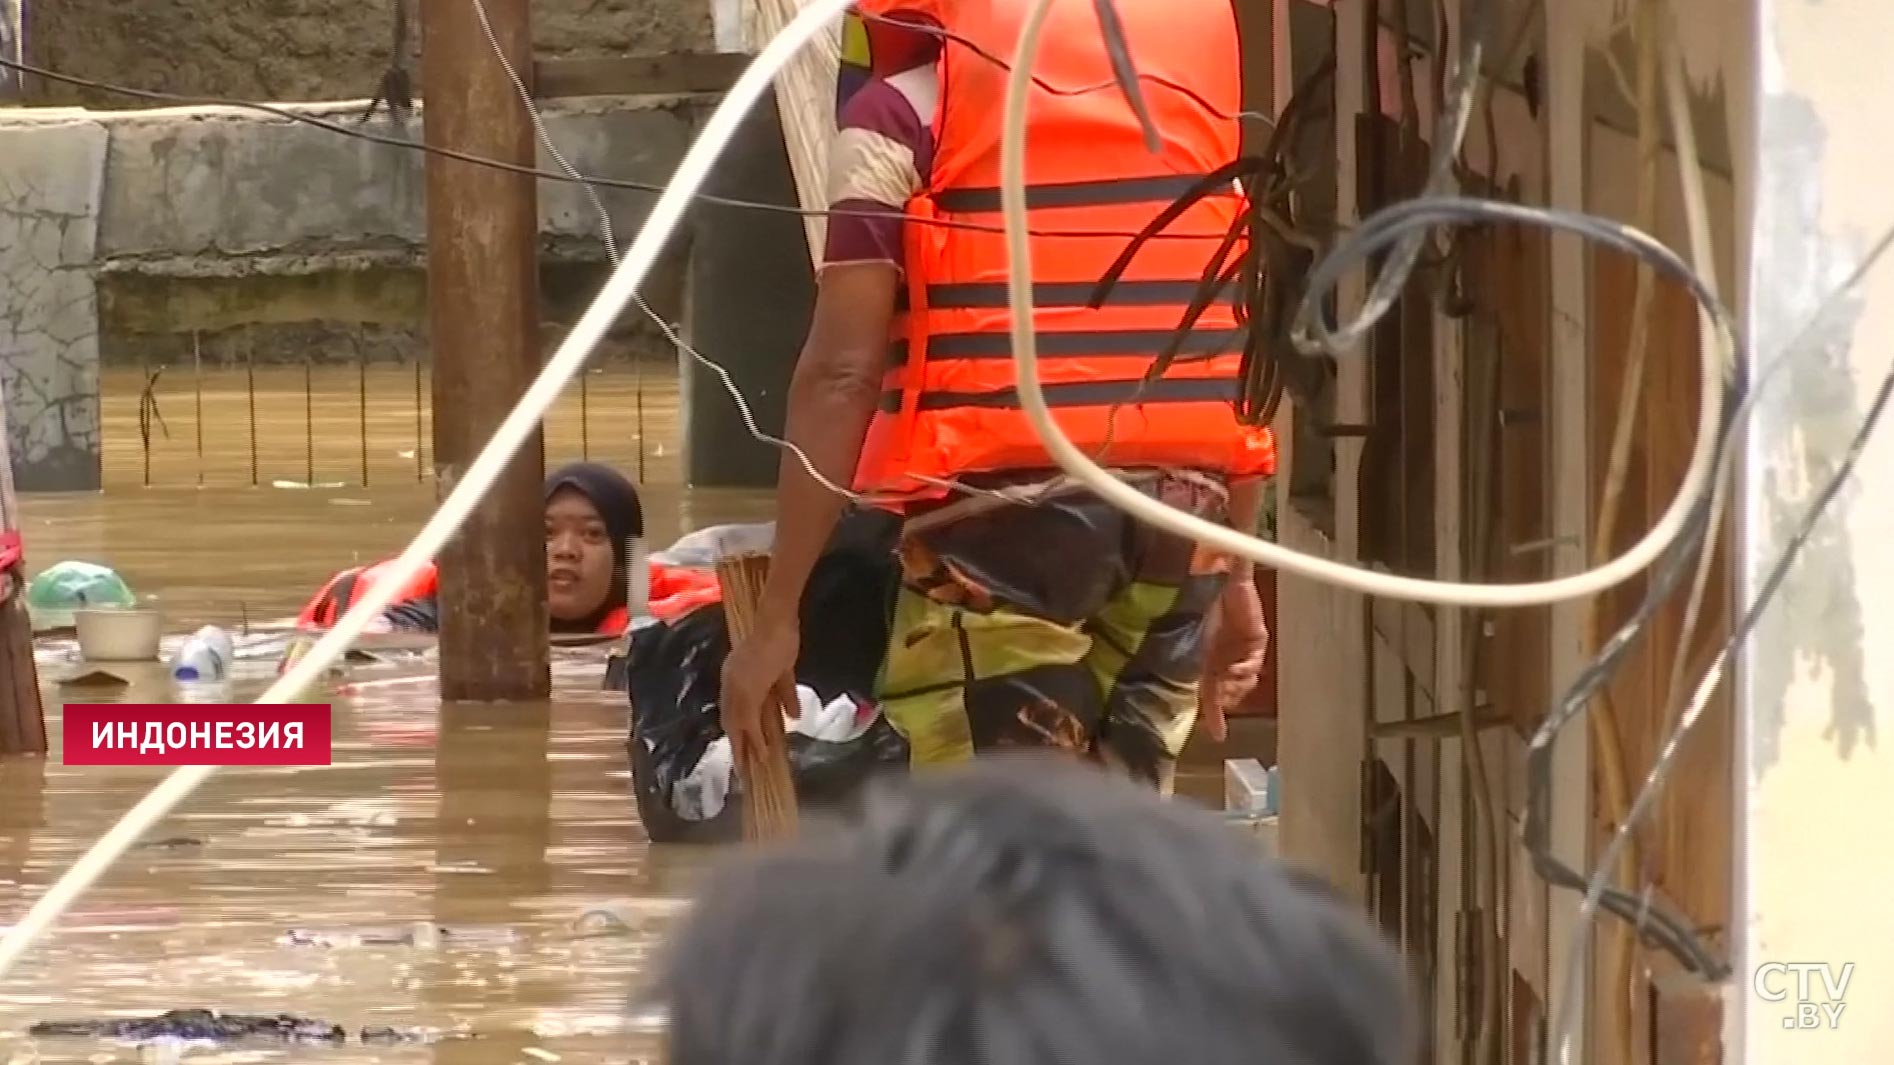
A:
[617,503]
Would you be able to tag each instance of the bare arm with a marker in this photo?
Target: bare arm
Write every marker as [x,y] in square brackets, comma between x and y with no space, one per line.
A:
[1246,512]
[1237,637]
[831,399]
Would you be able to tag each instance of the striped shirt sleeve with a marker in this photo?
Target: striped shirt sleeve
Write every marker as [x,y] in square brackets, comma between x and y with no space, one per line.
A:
[881,150]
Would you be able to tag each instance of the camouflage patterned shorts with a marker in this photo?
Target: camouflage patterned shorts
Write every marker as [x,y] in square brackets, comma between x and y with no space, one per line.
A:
[1061,624]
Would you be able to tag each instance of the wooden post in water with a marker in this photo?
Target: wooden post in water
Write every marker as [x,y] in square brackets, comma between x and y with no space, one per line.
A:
[483,317]
[22,716]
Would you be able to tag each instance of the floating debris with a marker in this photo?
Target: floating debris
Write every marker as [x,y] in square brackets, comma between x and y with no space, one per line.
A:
[390,1035]
[593,924]
[208,1026]
[171,843]
[93,678]
[201,1025]
[420,934]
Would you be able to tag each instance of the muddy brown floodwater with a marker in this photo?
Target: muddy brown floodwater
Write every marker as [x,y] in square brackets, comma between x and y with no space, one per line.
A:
[504,826]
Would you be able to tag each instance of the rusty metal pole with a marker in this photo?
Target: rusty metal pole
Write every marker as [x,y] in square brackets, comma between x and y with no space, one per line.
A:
[483,316]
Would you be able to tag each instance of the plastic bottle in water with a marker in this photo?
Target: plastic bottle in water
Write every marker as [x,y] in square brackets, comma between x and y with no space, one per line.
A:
[206,656]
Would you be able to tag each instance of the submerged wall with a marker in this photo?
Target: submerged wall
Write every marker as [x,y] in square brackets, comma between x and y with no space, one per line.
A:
[139,236]
[303,49]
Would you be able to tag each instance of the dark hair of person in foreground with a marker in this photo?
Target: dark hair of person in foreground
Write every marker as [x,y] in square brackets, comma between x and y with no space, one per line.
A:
[1025,911]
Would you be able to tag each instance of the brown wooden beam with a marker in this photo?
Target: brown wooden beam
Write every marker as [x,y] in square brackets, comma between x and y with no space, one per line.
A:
[665,74]
[1437,726]
[1687,1021]
[483,320]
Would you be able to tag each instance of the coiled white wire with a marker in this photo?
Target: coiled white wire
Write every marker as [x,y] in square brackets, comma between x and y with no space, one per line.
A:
[665,216]
[1151,511]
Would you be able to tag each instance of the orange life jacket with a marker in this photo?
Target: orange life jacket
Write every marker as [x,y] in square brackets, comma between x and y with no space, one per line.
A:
[949,404]
[675,591]
[342,589]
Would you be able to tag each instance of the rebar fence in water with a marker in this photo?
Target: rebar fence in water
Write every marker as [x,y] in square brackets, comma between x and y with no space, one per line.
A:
[363,423]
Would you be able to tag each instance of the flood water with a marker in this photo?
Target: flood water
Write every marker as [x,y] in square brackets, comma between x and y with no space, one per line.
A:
[484,834]
[440,874]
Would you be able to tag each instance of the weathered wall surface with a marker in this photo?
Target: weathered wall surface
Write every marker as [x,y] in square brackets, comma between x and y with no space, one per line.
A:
[139,237]
[268,196]
[248,238]
[49,356]
[10,41]
[304,49]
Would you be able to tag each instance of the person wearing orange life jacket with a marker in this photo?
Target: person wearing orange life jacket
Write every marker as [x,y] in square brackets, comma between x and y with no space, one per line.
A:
[592,515]
[1064,622]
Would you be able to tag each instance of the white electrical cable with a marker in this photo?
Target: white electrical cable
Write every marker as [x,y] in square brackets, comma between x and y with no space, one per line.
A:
[665,216]
[1153,512]
[611,250]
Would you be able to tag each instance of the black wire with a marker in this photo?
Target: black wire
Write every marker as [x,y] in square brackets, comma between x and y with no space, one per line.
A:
[1376,234]
[552,175]
[1594,677]
[1388,227]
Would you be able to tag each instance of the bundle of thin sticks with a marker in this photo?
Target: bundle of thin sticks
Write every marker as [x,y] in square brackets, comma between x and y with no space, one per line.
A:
[769,793]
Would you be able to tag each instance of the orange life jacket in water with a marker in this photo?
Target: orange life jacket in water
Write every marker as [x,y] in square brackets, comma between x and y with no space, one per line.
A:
[949,403]
[675,591]
[341,591]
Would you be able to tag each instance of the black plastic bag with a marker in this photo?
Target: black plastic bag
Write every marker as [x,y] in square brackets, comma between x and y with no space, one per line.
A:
[674,672]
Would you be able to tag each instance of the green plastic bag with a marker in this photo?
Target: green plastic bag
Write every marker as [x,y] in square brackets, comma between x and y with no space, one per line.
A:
[64,587]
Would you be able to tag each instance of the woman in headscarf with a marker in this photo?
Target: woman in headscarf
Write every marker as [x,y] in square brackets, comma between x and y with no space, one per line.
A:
[593,520]
[592,516]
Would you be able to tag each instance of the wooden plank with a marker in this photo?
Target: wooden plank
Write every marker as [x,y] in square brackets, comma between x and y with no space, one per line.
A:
[1410,632]
[1687,1021]
[661,74]
[805,100]
[1568,371]
[1689,830]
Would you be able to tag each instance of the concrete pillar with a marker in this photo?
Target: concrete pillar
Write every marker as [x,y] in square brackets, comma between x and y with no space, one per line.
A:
[13,47]
[51,177]
[751,290]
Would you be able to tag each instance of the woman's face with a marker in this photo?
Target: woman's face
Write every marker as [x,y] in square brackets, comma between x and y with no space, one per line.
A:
[578,556]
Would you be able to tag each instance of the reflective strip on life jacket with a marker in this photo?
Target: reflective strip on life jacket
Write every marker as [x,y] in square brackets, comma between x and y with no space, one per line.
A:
[950,404]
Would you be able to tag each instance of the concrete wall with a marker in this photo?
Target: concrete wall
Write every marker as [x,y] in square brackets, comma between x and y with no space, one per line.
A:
[11,38]
[303,49]
[268,196]
[139,234]
[50,178]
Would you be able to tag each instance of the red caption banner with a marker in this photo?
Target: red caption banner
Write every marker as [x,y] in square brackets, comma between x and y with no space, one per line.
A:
[197,734]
